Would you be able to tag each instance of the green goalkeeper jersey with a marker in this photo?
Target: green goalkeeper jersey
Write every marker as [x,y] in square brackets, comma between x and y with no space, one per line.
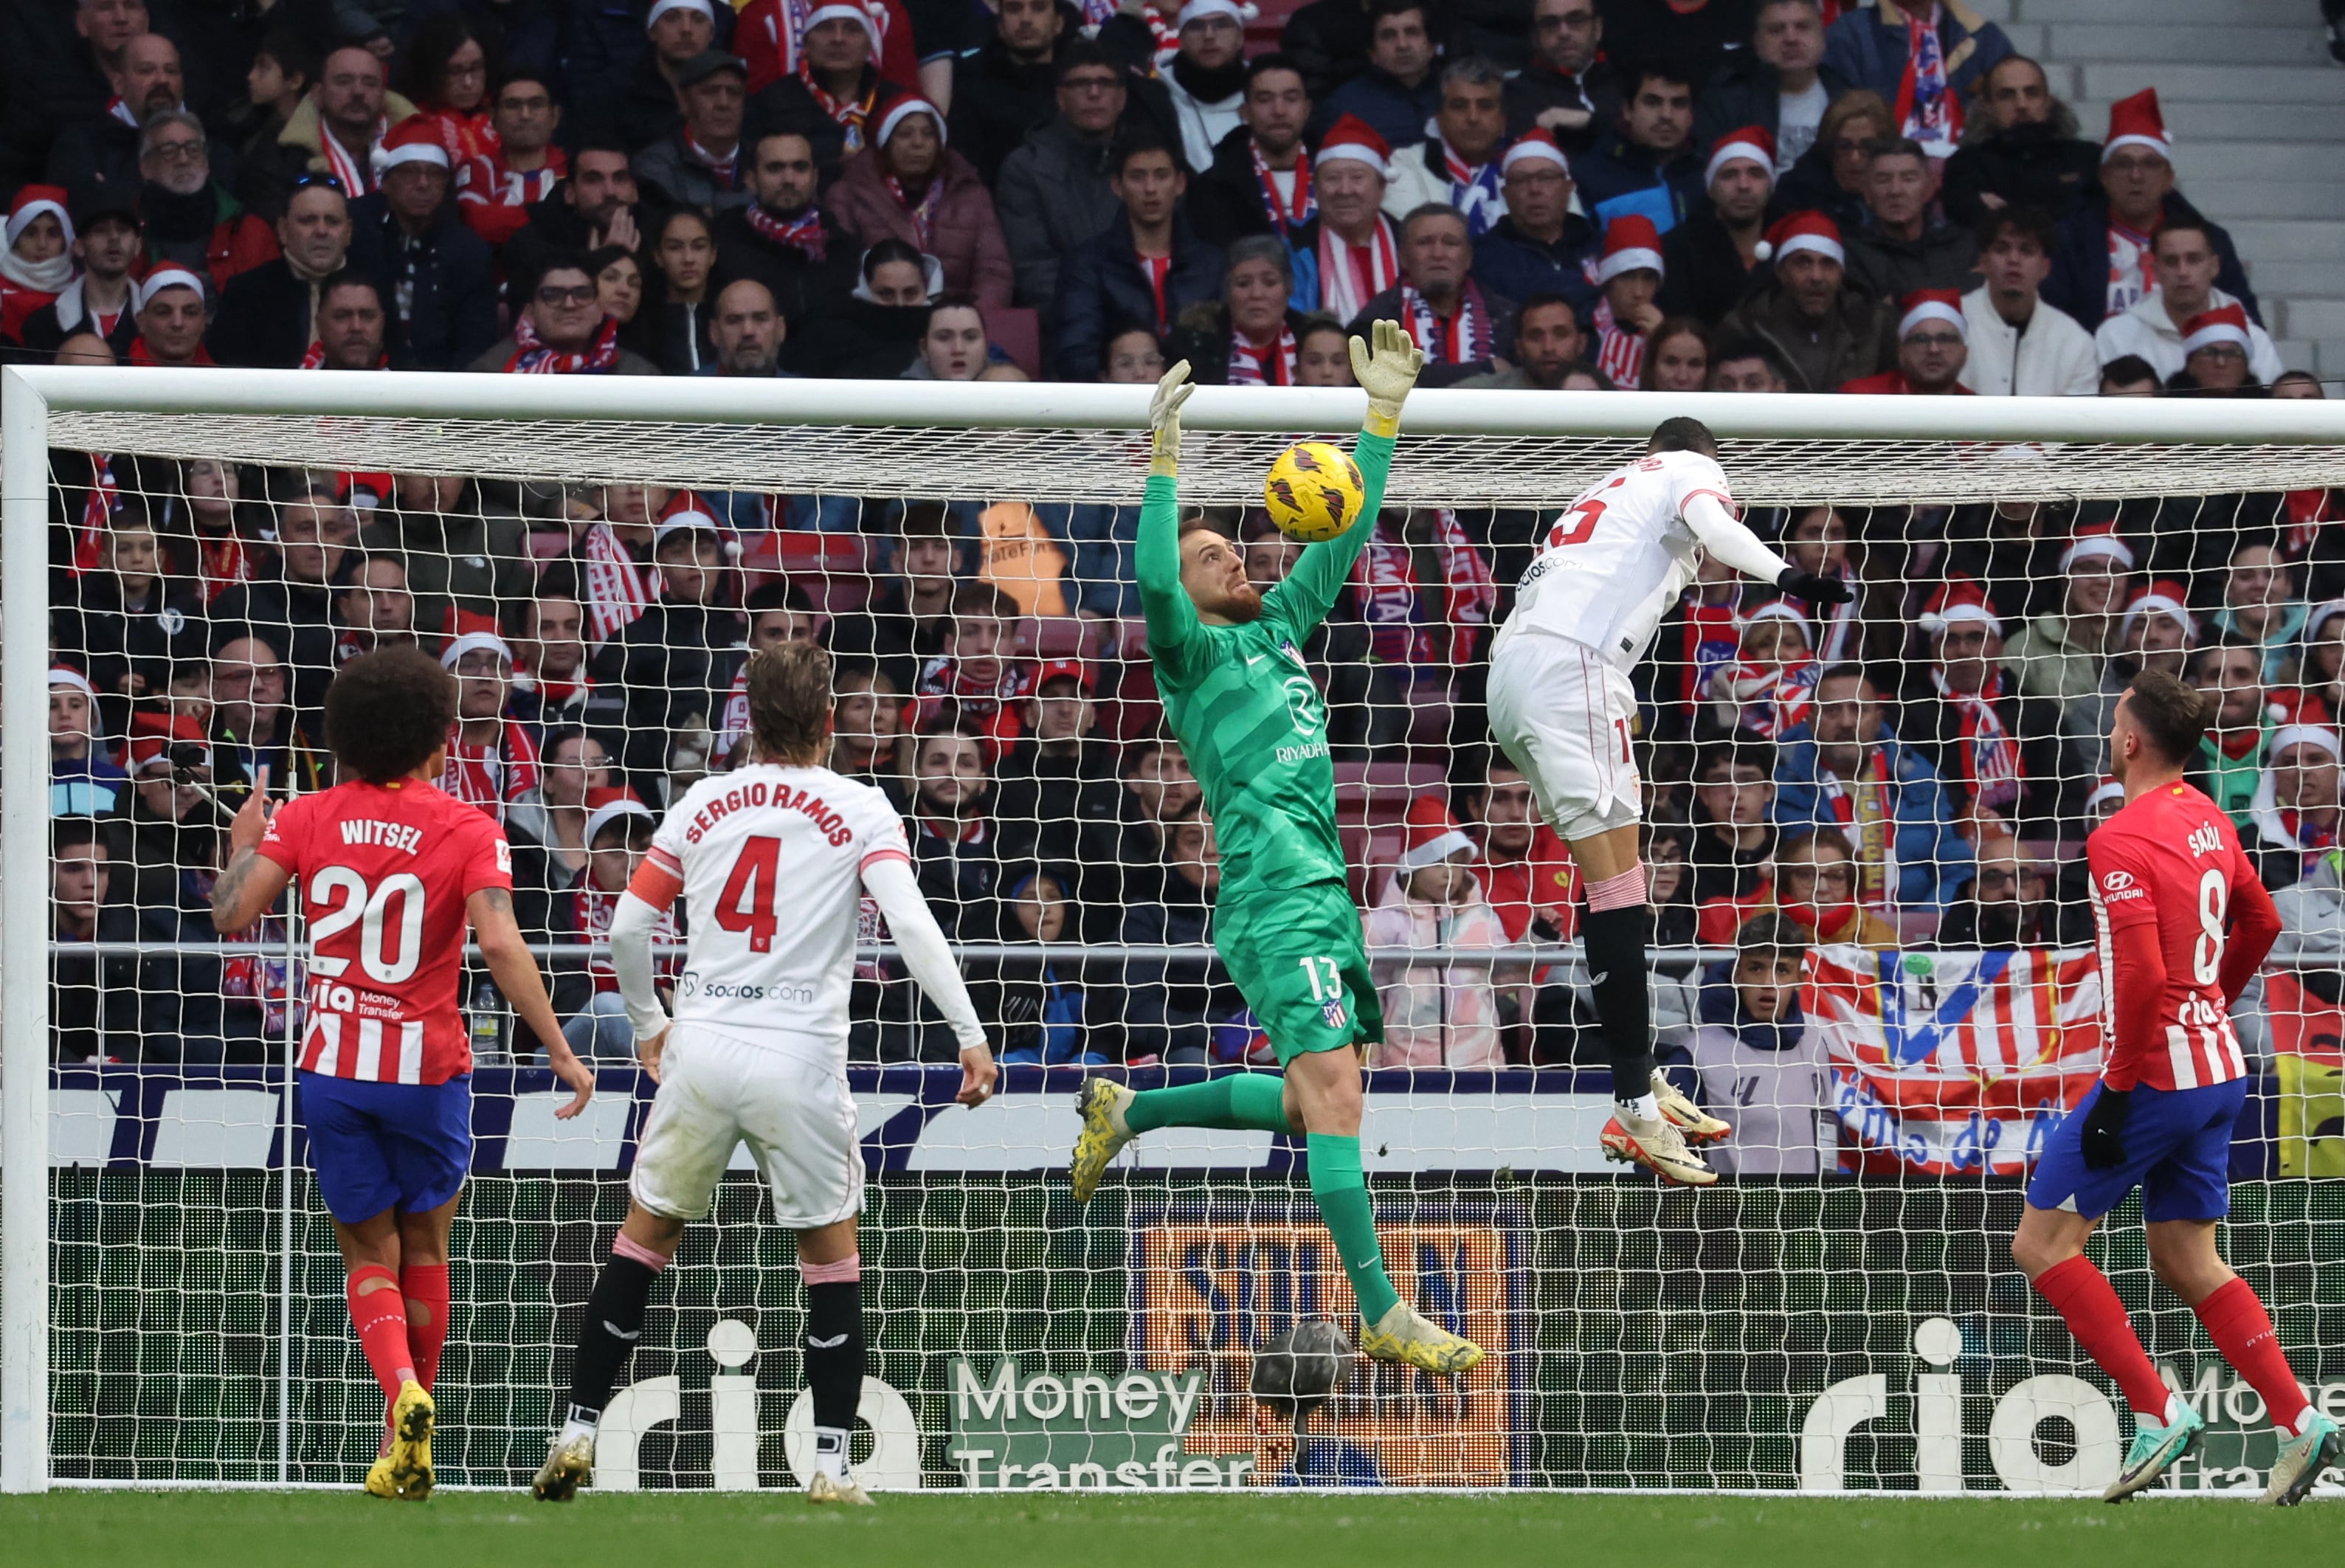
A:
[1242,703]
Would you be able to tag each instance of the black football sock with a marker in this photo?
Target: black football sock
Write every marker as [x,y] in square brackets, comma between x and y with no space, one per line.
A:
[1614,943]
[834,1367]
[613,1322]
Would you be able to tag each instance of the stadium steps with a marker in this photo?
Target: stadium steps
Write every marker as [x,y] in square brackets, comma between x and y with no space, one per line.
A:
[2258,112]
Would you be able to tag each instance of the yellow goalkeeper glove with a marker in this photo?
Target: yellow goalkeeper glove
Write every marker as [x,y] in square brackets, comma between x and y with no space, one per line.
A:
[1386,375]
[1164,420]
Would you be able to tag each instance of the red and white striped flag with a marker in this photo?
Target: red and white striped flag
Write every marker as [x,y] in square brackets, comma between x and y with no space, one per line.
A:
[616,591]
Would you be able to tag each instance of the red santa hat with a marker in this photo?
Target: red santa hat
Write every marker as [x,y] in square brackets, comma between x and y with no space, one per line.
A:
[2223,324]
[1955,603]
[476,642]
[1539,143]
[1356,139]
[72,679]
[2096,542]
[1803,231]
[2165,597]
[415,139]
[153,734]
[1931,305]
[684,519]
[30,203]
[909,104]
[2138,121]
[1777,610]
[2316,735]
[839,13]
[1631,244]
[1756,143]
[1432,834]
[661,7]
[161,279]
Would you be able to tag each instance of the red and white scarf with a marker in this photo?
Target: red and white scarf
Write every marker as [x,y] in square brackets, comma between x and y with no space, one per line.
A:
[121,111]
[1286,213]
[1352,275]
[1927,109]
[1262,365]
[490,776]
[850,113]
[221,559]
[356,174]
[1619,355]
[1474,187]
[1461,339]
[802,234]
[1987,762]
[590,910]
[923,212]
[99,505]
[1766,698]
[485,181]
[735,723]
[1392,602]
[2304,511]
[617,587]
[1712,633]
[727,169]
[533,357]
[2130,277]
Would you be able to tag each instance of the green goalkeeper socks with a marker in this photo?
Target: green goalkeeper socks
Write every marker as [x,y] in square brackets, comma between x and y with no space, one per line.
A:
[1342,1192]
[1253,1100]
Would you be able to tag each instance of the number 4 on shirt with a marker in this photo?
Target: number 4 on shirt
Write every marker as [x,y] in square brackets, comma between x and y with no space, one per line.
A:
[747,903]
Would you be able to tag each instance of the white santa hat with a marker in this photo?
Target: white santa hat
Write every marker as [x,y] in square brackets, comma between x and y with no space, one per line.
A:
[30,203]
[2164,597]
[2096,542]
[1752,142]
[911,105]
[2138,121]
[661,7]
[837,12]
[2319,735]
[684,520]
[164,278]
[476,642]
[610,811]
[61,675]
[1631,244]
[1539,144]
[1776,610]
[2109,789]
[1931,305]
[1196,10]
[1955,604]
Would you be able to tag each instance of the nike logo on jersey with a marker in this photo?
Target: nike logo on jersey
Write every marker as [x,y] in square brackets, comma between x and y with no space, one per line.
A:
[1253,659]
[833,1343]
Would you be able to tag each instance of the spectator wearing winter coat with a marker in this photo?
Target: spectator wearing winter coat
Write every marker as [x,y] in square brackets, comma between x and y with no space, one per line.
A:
[2294,818]
[1461,325]
[2019,345]
[1905,246]
[783,238]
[2019,149]
[1540,246]
[1758,1060]
[636,103]
[1260,179]
[597,204]
[1846,768]
[99,151]
[2186,264]
[1250,337]
[267,316]
[1646,163]
[335,131]
[1873,48]
[1147,267]
[1002,89]
[876,333]
[1829,177]
[189,218]
[1826,332]
[2061,654]
[107,244]
[909,185]
[1567,89]
[1436,1014]
[1397,91]
[1779,84]
[2104,265]
[1458,165]
[1056,191]
[496,186]
[1711,260]
[1207,78]
[441,277]
[698,163]
[562,331]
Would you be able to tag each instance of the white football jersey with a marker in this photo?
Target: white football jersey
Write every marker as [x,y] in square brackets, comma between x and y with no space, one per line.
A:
[1615,560]
[772,861]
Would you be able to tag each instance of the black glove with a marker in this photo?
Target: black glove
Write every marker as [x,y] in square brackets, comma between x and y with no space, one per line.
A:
[2104,1124]
[1815,590]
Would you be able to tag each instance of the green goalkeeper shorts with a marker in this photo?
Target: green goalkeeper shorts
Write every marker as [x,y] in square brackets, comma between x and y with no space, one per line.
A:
[1297,957]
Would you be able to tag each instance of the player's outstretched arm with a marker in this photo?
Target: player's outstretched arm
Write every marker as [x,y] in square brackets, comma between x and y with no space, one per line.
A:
[1728,540]
[514,969]
[250,883]
[1156,561]
[892,885]
[632,925]
[1387,373]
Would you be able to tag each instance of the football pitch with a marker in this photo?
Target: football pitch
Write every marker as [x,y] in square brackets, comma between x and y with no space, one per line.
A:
[260,1530]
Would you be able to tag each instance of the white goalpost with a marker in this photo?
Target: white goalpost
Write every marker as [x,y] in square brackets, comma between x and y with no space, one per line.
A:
[1839,1318]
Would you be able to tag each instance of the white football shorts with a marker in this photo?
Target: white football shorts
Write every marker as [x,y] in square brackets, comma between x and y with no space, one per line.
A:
[1564,716]
[796,1114]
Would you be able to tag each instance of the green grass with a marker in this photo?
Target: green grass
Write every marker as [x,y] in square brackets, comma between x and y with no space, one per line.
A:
[257,1530]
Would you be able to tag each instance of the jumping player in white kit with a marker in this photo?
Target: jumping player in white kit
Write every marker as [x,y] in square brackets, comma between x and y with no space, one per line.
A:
[775,859]
[1561,709]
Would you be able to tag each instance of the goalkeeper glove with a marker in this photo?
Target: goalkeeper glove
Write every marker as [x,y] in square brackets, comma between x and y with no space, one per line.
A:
[2104,1124]
[1386,373]
[1814,589]
[1165,419]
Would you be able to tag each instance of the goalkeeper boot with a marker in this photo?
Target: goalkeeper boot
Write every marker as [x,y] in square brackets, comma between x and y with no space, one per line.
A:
[840,1489]
[1698,1126]
[1658,1145]
[2155,1449]
[408,1461]
[569,1465]
[2301,1461]
[1403,1334]
[1104,1134]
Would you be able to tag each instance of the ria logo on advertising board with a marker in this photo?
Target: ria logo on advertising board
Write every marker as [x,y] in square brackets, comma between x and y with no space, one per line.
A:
[1209,1285]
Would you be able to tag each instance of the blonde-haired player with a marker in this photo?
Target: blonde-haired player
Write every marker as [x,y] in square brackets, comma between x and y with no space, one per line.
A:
[1561,709]
[774,858]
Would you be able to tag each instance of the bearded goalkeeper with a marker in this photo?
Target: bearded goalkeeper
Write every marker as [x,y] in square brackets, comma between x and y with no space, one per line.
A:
[1230,672]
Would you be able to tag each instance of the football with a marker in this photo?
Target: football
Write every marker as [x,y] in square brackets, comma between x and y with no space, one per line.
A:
[1313,490]
[1301,1369]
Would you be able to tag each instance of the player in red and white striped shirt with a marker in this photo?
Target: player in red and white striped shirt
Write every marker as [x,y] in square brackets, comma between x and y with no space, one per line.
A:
[393,871]
[2184,924]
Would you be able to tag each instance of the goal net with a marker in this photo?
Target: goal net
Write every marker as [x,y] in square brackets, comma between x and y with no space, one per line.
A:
[1874,942]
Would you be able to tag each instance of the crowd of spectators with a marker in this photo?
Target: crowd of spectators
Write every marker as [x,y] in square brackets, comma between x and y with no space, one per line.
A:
[1546,194]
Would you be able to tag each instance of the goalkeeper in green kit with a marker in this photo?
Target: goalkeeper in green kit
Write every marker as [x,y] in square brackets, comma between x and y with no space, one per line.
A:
[1230,672]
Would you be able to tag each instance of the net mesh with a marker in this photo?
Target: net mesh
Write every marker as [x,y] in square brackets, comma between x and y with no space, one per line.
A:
[1909,788]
